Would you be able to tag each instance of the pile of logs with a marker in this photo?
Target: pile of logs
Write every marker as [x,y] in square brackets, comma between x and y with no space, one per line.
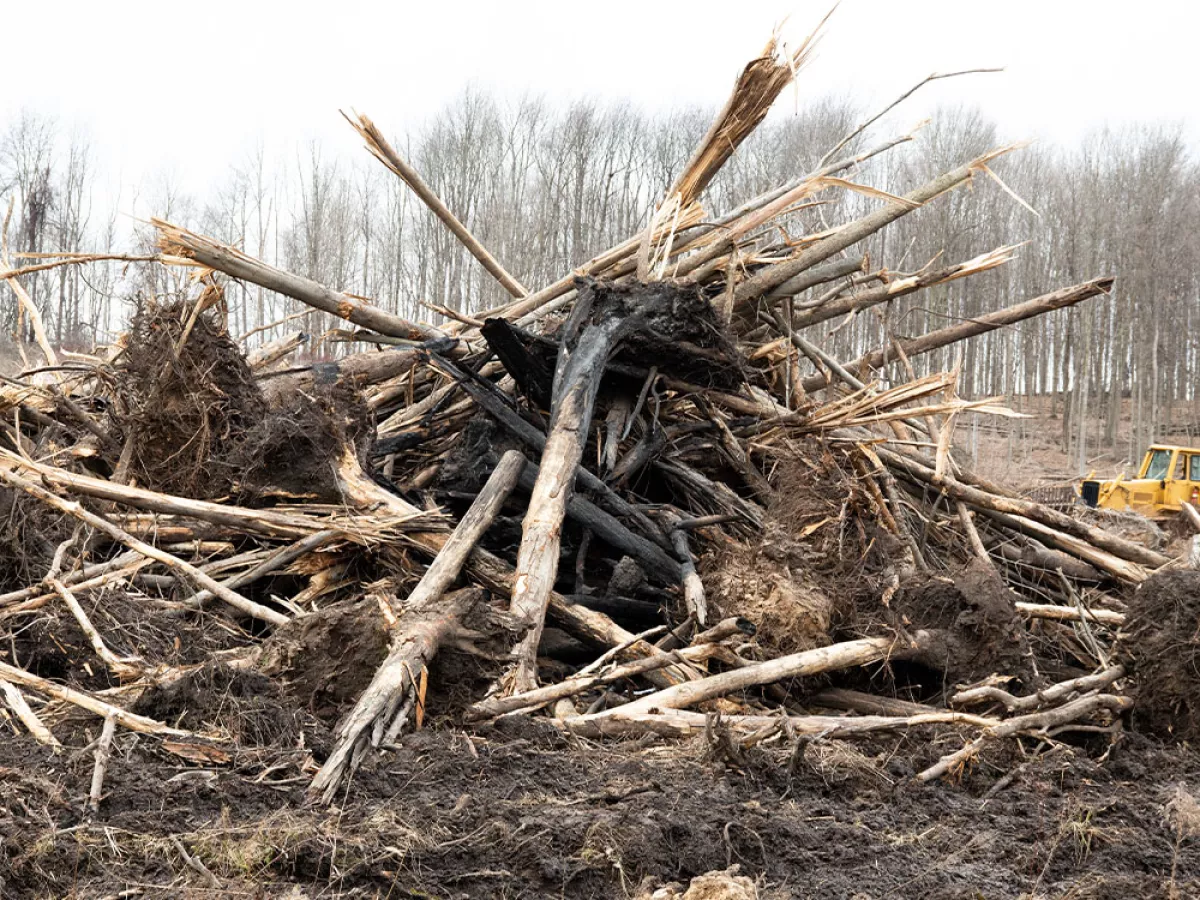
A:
[581,458]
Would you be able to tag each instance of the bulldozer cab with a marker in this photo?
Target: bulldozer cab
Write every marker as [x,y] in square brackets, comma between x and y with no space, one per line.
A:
[1168,477]
[1181,481]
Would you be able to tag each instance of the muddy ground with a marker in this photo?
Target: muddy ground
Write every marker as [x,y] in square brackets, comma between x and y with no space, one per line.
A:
[519,811]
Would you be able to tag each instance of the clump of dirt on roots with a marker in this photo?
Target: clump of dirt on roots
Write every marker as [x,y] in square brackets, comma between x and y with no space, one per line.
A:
[244,704]
[187,399]
[294,449]
[981,632]
[29,533]
[325,660]
[1164,643]
[765,582]
[800,580]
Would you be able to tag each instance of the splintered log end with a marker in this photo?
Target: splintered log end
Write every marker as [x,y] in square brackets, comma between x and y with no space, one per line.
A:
[172,239]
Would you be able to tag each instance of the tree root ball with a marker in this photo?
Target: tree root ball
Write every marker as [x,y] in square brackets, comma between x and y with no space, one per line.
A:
[981,632]
[1163,646]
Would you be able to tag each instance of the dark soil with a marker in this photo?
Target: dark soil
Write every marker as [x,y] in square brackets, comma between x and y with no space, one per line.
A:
[522,812]
[518,810]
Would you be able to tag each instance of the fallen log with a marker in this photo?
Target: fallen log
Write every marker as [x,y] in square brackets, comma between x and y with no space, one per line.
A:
[427,622]
[809,662]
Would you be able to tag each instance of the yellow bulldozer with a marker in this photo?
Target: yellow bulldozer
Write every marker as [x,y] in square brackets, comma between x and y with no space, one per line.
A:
[1168,478]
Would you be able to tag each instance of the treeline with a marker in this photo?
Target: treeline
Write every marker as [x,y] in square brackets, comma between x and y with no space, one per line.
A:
[547,187]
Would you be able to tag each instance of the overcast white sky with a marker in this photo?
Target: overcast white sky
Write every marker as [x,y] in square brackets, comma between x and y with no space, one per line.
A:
[190,87]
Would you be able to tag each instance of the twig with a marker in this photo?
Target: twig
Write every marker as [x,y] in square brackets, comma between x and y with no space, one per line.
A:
[195,864]
[883,112]
[19,705]
[103,754]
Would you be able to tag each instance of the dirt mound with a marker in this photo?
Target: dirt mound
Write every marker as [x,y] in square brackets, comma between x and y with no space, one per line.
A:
[982,631]
[188,399]
[1164,643]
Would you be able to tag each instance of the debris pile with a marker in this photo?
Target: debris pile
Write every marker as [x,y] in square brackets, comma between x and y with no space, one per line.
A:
[641,500]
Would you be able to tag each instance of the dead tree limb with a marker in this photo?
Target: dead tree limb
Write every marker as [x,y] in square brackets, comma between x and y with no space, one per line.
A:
[272,563]
[383,151]
[1061,691]
[92,704]
[773,276]
[180,242]
[687,723]
[1066,714]
[20,706]
[528,701]
[103,755]
[1109,617]
[807,662]
[897,287]
[1052,518]
[943,337]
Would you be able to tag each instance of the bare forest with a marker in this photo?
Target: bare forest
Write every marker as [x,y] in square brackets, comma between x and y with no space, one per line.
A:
[548,187]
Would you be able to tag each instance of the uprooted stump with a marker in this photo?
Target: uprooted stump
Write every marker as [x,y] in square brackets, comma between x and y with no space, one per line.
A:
[29,533]
[766,583]
[1164,642]
[605,316]
[189,399]
[326,659]
[980,631]
[294,450]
